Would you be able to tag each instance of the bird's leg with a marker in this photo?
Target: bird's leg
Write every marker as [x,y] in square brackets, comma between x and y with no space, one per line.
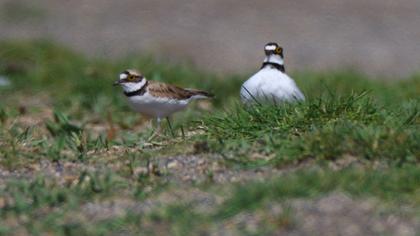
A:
[156,132]
[158,124]
[170,127]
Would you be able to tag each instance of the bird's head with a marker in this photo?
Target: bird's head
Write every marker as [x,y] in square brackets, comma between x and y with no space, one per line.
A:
[273,49]
[130,80]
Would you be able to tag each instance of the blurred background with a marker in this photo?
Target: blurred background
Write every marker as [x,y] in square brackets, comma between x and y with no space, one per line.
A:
[377,37]
[75,159]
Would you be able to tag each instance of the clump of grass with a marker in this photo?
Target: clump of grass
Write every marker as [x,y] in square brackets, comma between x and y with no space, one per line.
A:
[323,128]
[61,125]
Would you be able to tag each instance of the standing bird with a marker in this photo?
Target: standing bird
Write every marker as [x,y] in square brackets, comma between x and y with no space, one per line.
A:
[271,84]
[156,99]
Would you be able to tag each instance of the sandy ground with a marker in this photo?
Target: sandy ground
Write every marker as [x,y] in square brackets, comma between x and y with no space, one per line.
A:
[378,37]
[330,214]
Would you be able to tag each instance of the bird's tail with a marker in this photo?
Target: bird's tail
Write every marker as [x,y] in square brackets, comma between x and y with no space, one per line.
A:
[200,94]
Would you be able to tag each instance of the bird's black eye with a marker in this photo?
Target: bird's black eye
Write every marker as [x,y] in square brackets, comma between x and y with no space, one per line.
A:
[279,50]
[131,77]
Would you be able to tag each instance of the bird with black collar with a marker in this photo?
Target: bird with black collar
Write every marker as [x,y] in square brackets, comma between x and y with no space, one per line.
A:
[271,84]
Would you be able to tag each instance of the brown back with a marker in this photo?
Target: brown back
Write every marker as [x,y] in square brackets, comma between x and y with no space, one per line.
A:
[158,89]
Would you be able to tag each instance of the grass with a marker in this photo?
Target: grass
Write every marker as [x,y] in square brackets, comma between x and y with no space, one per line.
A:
[74,158]
[326,128]
[384,184]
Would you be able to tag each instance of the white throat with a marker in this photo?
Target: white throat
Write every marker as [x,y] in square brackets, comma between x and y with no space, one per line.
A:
[131,86]
[274,59]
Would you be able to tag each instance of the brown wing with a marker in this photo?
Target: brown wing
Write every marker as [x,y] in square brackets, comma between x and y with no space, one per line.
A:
[201,93]
[166,90]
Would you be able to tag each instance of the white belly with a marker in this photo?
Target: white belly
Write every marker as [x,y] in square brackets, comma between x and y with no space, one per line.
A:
[270,85]
[155,106]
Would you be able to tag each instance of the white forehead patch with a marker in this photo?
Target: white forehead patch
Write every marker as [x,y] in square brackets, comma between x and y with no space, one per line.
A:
[270,47]
[123,76]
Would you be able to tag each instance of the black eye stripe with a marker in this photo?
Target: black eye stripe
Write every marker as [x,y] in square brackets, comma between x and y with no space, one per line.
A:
[137,77]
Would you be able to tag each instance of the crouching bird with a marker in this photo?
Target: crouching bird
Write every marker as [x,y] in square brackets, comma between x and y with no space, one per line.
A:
[271,84]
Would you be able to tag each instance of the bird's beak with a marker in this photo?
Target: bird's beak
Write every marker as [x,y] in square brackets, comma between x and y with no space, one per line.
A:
[116,83]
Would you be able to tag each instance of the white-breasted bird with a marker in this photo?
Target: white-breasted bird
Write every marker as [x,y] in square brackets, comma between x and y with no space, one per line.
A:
[156,99]
[271,84]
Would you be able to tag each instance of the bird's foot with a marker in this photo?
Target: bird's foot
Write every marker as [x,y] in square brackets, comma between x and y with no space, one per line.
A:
[154,135]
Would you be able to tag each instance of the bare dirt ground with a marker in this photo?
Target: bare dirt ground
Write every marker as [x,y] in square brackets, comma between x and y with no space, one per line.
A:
[379,37]
[331,214]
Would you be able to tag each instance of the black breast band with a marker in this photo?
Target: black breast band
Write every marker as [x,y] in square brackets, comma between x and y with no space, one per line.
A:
[275,65]
[137,92]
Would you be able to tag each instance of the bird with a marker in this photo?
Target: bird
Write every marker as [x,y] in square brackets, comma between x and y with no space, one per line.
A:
[271,84]
[156,99]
